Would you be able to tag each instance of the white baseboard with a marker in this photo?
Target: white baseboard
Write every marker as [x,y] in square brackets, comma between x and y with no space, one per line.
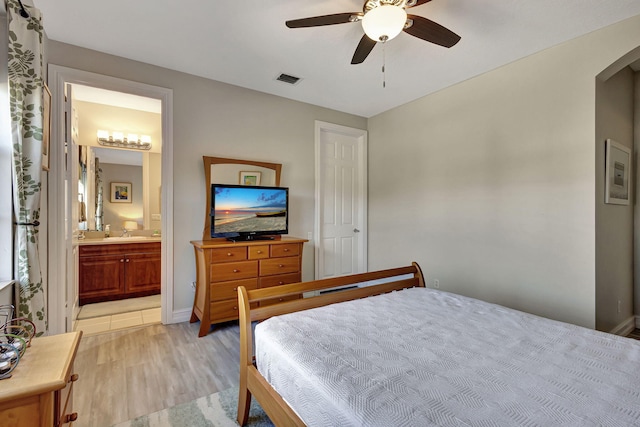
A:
[626,327]
[180,316]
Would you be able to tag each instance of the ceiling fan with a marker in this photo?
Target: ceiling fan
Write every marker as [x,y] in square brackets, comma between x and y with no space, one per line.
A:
[382,20]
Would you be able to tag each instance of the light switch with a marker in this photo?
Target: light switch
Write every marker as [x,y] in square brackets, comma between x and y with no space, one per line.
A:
[156,217]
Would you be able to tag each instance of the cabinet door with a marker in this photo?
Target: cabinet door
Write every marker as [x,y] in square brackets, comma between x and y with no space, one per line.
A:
[142,272]
[100,277]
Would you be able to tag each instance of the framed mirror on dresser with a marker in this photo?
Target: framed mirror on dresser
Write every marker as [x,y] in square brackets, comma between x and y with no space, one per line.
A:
[220,170]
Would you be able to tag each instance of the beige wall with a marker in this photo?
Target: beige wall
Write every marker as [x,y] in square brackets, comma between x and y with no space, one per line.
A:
[614,223]
[217,119]
[492,180]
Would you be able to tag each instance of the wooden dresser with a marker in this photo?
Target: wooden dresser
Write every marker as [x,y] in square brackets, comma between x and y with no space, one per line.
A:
[39,392]
[222,266]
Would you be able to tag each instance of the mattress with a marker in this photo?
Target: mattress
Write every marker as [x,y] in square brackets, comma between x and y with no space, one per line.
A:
[422,357]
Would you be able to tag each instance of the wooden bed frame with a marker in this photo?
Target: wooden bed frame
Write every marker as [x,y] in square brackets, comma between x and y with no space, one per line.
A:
[252,383]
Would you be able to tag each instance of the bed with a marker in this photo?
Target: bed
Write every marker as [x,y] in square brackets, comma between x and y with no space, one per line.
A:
[408,355]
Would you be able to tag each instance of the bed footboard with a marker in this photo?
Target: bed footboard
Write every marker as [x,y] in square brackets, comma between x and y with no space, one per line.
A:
[251,381]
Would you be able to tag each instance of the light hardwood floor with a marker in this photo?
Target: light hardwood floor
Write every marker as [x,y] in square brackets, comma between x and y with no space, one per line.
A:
[134,372]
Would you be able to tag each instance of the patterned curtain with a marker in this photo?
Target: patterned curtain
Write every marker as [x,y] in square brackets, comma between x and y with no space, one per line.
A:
[26,92]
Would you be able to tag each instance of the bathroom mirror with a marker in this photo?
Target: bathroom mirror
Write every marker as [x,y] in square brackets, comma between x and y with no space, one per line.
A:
[101,166]
[220,170]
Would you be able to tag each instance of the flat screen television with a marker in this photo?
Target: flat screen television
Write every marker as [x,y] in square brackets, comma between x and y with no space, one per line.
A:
[242,212]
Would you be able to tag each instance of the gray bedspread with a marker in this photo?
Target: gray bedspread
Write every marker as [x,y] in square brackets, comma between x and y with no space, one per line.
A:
[423,357]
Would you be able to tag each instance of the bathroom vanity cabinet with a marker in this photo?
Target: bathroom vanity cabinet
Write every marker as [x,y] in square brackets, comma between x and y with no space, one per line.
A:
[108,272]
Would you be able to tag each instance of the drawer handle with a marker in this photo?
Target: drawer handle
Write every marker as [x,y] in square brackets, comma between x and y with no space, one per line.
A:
[70,417]
[122,260]
[286,250]
[235,270]
[229,254]
[73,378]
[127,259]
[280,283]
[280,299]
[259,252]
[280,265]
[235,308]
[235,289]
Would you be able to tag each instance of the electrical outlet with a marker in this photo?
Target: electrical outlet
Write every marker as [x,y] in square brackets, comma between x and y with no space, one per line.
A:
[156,217]
[436,283]
[619,306]
[309,236]
[193,286]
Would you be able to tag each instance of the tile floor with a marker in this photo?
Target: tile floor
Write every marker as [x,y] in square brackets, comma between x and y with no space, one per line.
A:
[98,325]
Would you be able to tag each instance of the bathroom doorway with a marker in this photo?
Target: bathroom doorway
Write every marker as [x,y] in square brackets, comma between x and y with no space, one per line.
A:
[118,138]
[69,205]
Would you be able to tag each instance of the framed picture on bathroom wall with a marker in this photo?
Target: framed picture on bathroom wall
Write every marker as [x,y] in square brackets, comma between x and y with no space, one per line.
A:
[617,173]
[121,192]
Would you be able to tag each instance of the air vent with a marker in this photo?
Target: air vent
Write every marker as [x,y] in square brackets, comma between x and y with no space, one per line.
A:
[286,78]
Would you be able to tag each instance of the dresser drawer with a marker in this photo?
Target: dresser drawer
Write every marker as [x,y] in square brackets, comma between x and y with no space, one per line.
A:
[282,279]
[229,290]
[234,271]
[221,311]
[288,249]
[228,254]
[258,252]
[269,267]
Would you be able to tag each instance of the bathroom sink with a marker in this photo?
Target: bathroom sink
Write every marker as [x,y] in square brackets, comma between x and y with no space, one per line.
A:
[117,239]
[124,239]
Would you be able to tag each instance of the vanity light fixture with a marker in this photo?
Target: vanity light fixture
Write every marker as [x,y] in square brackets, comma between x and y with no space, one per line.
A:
[117,139]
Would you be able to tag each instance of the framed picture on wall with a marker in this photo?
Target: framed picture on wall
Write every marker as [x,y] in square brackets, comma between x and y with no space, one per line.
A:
[617,173]
[249,178]
[121,192]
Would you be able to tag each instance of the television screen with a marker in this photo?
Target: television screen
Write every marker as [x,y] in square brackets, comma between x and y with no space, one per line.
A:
[241,212]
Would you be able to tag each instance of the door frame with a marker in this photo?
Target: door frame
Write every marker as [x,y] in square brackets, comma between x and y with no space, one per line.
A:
[58,76]
[361,134]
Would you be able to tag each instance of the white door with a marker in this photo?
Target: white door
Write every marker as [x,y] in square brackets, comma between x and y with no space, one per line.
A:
[71,214]
[341,200]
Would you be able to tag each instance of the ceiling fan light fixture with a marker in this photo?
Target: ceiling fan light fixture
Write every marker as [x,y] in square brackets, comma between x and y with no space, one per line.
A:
[384,22]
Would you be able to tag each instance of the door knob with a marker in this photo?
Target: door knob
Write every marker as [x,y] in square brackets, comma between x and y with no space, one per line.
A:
[355,230]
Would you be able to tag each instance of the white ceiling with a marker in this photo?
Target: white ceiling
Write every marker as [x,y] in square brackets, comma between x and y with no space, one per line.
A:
[246,43]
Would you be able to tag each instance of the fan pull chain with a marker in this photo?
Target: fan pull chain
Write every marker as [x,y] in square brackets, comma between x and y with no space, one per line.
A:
[384,76]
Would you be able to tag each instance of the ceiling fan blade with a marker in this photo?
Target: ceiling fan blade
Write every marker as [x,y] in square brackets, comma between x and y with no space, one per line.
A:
[432,32]
[416,3]
[317,21]
[363,50]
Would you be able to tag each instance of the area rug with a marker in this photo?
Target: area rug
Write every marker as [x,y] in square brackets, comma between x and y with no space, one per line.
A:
[216,410]
[100,309]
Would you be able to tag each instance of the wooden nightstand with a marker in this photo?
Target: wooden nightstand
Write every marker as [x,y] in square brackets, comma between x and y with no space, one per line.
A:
[39,392]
